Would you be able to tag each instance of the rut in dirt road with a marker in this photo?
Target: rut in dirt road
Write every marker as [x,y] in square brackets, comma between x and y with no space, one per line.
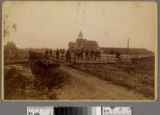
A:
[88,87]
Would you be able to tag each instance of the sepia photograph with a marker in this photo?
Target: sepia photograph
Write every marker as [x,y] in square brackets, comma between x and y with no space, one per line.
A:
[79,50]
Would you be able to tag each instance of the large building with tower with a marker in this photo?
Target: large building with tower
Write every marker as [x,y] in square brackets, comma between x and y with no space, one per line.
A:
[83,43]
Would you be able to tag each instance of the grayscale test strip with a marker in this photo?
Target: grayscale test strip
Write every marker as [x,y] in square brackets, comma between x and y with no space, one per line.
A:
[95,110]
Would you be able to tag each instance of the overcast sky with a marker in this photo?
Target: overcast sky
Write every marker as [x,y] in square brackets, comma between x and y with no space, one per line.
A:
[54,24]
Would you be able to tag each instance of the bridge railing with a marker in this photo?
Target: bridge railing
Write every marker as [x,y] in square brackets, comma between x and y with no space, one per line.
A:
[103,58]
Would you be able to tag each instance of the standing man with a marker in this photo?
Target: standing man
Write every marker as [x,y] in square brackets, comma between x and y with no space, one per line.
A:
[96,54]
[86,53]
[62,53]
[68,57]
[99,54]
[75,54]
[50,52]
[57,54]
[47,57]
[46,53]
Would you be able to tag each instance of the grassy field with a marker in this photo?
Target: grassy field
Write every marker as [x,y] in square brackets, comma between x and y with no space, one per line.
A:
[138,76]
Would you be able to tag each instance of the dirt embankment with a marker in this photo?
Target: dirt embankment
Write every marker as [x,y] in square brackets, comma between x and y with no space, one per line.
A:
[18,82]
[21,84]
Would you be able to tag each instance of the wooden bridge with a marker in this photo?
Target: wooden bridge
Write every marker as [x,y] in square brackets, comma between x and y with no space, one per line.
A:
[37,57]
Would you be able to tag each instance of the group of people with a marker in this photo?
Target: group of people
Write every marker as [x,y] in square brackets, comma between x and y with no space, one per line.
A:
[87,54]
[82,54]
[92,54]
[61,54]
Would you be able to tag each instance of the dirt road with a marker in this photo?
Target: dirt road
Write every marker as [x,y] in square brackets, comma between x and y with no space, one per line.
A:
[88,87]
